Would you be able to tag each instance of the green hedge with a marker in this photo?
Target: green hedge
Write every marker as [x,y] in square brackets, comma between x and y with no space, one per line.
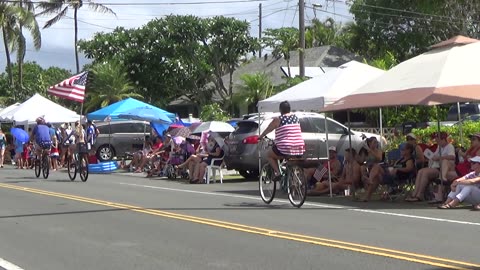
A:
[424,135]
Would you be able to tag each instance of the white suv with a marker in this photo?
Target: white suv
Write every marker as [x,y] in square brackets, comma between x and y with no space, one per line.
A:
[242,153]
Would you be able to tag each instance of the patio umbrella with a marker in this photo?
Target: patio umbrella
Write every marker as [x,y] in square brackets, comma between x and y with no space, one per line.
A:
[19,134]
[448,73]
[219,139]
[214,126]
[183,132]
[149,114]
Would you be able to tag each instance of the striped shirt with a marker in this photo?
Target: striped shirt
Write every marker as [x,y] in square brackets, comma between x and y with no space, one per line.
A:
[288,136]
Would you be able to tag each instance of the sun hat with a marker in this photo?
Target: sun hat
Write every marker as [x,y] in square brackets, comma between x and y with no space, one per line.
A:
[411,135]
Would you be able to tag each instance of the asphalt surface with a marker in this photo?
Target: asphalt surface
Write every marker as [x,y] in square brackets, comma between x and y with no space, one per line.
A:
[126,221]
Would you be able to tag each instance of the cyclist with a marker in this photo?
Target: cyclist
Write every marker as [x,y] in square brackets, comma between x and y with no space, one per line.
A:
[80,146]
[41,137]
[288,137]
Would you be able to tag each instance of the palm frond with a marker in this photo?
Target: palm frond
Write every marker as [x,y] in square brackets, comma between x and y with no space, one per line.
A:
[51,7]
[55,19]
[100,8]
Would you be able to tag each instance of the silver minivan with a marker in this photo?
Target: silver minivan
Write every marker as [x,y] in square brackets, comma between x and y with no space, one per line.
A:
[242,144]
[119,137]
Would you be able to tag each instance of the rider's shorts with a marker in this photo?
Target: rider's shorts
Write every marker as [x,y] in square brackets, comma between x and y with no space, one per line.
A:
[46,145]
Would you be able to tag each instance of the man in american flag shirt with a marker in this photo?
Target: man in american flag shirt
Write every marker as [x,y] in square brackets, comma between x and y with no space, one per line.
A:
[288,137]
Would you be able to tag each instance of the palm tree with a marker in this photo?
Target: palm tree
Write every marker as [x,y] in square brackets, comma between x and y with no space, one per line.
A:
[255,87]
[60,7]
[282,41]
[12,19]
[109,84]
[28,21]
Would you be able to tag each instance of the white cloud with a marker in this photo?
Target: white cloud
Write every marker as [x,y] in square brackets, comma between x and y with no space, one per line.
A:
[57,41]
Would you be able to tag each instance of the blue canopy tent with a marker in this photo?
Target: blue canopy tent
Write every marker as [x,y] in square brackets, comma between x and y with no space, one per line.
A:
[114,110]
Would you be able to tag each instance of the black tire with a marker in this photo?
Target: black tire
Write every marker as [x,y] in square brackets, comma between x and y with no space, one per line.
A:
[297,186]
[105,153]
[72,168]
[45,166]
[38,168]
[83,171]
[170,171]
[249,174]
[266,184]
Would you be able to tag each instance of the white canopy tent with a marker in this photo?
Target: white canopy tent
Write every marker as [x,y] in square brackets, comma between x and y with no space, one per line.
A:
[38,105]
[4,111]
[315,93]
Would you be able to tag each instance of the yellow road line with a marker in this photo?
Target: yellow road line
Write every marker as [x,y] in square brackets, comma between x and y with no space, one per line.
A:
[395,254]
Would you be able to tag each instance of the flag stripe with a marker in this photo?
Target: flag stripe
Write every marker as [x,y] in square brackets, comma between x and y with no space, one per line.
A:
[72,88]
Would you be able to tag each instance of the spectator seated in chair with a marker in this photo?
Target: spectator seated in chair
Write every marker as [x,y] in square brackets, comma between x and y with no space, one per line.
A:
[464,167]
[214,151]
[320,174]
[466,188]
[192,161]
[443,157]
[418,156]
[401,170]
[350,176]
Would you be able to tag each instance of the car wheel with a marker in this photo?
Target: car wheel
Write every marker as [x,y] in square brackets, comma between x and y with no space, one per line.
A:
[105,153]
[249,174]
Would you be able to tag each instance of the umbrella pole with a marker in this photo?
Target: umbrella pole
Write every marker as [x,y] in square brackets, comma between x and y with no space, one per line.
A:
[258,148]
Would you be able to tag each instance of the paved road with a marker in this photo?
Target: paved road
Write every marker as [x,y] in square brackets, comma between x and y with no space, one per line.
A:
[123,221]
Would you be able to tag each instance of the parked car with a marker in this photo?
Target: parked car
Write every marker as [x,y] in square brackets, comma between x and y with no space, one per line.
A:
[473,118]
[465,110]
[242,144]
[117,138]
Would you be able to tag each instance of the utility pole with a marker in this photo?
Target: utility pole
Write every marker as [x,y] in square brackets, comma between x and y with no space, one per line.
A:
[301,26]
[260,28]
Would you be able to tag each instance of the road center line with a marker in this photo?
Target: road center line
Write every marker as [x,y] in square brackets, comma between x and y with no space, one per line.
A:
[257,198]
[371,250]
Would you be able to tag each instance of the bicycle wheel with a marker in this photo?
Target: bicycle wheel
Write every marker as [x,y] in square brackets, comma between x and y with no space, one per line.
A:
[45,166]
[38,167]
[266,184]
[83,168]
[72,167]
[297,186]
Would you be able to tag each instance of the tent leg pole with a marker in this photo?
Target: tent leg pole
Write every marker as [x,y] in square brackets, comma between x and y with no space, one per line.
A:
[328,156]
[350,146]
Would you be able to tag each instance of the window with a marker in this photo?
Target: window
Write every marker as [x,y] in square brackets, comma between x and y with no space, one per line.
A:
[318,125]
[121,128]
[335,128]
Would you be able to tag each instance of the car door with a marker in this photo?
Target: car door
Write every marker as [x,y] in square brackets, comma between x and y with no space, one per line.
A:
[311,136]
[126,137]
[338,136]
[317,138]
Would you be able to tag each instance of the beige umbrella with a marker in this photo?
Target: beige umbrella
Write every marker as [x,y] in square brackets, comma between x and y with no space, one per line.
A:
[448,73]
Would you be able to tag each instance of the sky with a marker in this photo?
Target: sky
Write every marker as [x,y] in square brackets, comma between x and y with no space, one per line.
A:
[57,41]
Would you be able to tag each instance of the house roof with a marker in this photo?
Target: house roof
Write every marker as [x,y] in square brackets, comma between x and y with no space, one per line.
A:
[324,56]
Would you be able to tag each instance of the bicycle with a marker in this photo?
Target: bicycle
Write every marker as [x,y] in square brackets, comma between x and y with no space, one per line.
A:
[42,165]
[76,164]
[291,173]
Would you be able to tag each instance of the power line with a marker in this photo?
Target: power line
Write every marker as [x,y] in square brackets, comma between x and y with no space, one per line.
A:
[155,3]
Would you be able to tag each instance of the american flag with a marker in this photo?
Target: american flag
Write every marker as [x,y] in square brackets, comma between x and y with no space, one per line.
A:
[72,88]
[288,136]
[320,172]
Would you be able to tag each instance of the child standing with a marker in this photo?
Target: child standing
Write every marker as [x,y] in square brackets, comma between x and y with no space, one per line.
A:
[18,153]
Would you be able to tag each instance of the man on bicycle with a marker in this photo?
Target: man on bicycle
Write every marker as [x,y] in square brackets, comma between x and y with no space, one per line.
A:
[41,137]
[288,137]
